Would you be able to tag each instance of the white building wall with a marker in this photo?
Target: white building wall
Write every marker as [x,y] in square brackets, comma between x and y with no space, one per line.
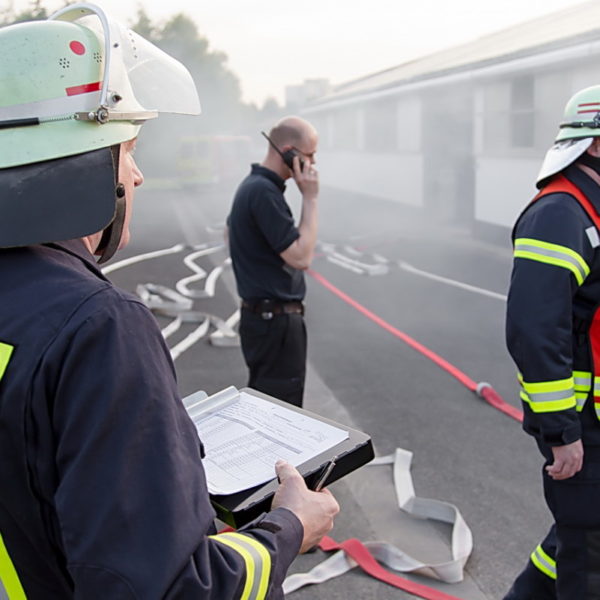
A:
[396,177]
[360,127]
[504,174]
[408,110]
[584,75]
[504,186]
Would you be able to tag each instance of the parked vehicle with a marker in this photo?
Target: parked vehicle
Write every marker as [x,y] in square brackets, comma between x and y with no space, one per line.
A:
[211,159]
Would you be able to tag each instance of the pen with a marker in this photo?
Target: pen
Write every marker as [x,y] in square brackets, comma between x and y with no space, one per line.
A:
[324,475]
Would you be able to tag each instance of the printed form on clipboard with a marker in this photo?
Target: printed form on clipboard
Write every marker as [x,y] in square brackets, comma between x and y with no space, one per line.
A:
[244,435]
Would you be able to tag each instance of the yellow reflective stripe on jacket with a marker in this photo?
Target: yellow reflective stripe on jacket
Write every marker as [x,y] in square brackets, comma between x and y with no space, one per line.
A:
[545,563]
[5,353]
[582,384]
[9,580]
[8,575]
[552,254]
[257,560]
[549,396]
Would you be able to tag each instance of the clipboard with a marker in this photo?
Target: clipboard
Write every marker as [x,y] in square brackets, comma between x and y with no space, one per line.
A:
[240,508]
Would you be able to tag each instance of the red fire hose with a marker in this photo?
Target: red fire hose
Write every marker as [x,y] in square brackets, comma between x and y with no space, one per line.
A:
[353,547]
[483,390]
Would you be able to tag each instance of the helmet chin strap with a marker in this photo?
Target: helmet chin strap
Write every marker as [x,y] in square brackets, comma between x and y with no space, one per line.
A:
[111,236]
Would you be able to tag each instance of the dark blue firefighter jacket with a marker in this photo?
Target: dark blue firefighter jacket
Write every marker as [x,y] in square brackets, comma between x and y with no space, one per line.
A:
[102,490]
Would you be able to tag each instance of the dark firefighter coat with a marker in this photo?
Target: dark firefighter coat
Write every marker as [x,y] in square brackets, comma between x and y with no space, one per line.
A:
[102,490]
[554,294]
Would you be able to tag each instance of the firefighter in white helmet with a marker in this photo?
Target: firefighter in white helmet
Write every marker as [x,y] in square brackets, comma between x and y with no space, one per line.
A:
[103,493]
[553,335]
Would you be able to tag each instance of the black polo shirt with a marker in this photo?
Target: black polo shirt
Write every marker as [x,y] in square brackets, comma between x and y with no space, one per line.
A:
[261,226]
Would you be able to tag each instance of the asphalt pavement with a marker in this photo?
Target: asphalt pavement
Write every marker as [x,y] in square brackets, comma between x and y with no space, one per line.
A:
[431,282]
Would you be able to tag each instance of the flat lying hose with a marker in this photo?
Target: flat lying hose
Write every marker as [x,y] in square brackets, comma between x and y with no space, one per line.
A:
[370,556]
[483,390]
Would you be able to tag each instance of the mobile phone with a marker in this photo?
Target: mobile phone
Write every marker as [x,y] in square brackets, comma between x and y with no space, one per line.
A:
[287,156]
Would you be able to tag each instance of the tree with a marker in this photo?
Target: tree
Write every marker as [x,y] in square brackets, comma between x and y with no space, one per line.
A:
[35,12]
[223,111]
[218,87]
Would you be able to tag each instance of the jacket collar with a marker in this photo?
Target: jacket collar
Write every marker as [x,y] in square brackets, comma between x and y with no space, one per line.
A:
[79,250]
[270,175]
[585,183]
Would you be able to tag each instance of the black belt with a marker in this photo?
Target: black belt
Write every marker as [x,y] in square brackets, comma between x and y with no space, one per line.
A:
[267,309]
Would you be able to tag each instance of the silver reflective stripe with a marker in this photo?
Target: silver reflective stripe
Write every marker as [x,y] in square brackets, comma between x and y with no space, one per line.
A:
[3,592]
[550,396]
[553,255]
[582,381]
[581,398]
[259,566]
[50,108]
[597,396]
[546,564]
[592,234]
[257,560]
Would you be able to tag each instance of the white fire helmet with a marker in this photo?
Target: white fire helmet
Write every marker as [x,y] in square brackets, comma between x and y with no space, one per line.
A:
[81,81]
[71,88]
[580,125]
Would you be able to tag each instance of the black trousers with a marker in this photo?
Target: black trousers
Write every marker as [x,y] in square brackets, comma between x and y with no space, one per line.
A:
[275,353]
[532,583]
[573,542]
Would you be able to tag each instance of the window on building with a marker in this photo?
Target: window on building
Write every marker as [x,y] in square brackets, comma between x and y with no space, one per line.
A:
[508,115]
[346,128]
[319,122]
[522,112]
[409,123]
[381,128]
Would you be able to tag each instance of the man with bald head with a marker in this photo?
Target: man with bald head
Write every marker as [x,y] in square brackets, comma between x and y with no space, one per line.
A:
[269,254]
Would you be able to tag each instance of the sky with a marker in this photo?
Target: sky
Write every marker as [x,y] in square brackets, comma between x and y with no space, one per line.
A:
[271,44]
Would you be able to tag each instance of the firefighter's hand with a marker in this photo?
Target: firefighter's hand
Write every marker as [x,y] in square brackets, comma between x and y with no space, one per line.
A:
[316,510]
[568,460]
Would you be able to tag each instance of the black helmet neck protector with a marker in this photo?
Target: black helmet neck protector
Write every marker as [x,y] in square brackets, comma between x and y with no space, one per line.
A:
[61,199]
[56,200]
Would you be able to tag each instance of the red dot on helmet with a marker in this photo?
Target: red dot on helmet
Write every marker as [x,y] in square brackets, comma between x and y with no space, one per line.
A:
[77,47]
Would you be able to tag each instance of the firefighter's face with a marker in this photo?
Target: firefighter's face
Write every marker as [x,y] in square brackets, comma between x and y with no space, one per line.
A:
[594,149]
[131,177]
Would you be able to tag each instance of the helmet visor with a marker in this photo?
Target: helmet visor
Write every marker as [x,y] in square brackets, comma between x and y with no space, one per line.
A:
[139,79]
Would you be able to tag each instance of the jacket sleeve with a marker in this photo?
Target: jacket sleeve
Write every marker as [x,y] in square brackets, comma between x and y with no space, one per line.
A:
[131,497]
[552,257]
